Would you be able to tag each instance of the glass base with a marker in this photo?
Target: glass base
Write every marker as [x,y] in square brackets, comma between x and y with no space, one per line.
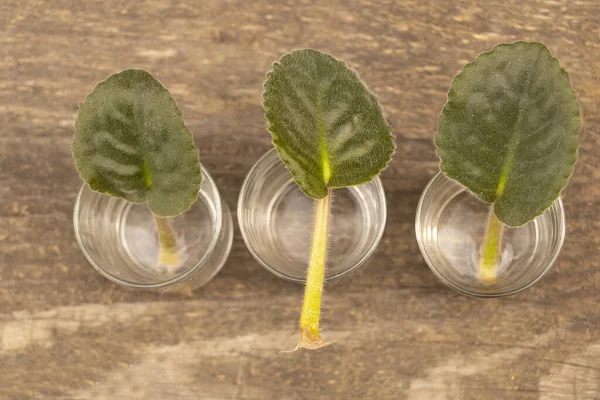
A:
[193,231]
[461,231]
[290,229]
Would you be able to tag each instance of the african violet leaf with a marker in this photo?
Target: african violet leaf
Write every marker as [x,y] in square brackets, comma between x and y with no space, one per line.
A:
[326,126]
[131,142]
[509,131]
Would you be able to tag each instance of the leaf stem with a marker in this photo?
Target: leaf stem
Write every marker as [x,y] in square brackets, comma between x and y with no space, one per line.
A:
[490,252]
[310,337]
[167,241]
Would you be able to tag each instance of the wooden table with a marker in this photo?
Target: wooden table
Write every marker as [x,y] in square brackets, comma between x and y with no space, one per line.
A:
[68,333]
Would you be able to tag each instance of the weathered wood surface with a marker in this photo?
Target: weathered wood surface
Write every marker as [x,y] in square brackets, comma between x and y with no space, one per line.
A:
[67,333]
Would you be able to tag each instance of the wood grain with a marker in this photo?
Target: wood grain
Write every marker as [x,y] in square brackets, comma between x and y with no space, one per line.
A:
[67,333]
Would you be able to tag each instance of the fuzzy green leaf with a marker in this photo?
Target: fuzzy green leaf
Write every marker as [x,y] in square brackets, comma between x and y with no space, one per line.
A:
[509,131]
[327,127]
[131,142]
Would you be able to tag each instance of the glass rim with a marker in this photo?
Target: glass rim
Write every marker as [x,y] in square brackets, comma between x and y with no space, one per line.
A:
[557,205]
[218,224]
[240,212]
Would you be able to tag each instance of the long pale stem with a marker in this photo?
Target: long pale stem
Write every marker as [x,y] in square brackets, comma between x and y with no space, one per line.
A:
[167,242]
[490,252]
[310,337]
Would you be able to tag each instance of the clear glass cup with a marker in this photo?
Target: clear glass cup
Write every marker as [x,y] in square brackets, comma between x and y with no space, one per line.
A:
[276,221]
[450,228]
[120,239]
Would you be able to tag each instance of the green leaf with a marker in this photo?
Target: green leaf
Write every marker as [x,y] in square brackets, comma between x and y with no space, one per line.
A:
[509,131]
[131,142]
[327,127]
